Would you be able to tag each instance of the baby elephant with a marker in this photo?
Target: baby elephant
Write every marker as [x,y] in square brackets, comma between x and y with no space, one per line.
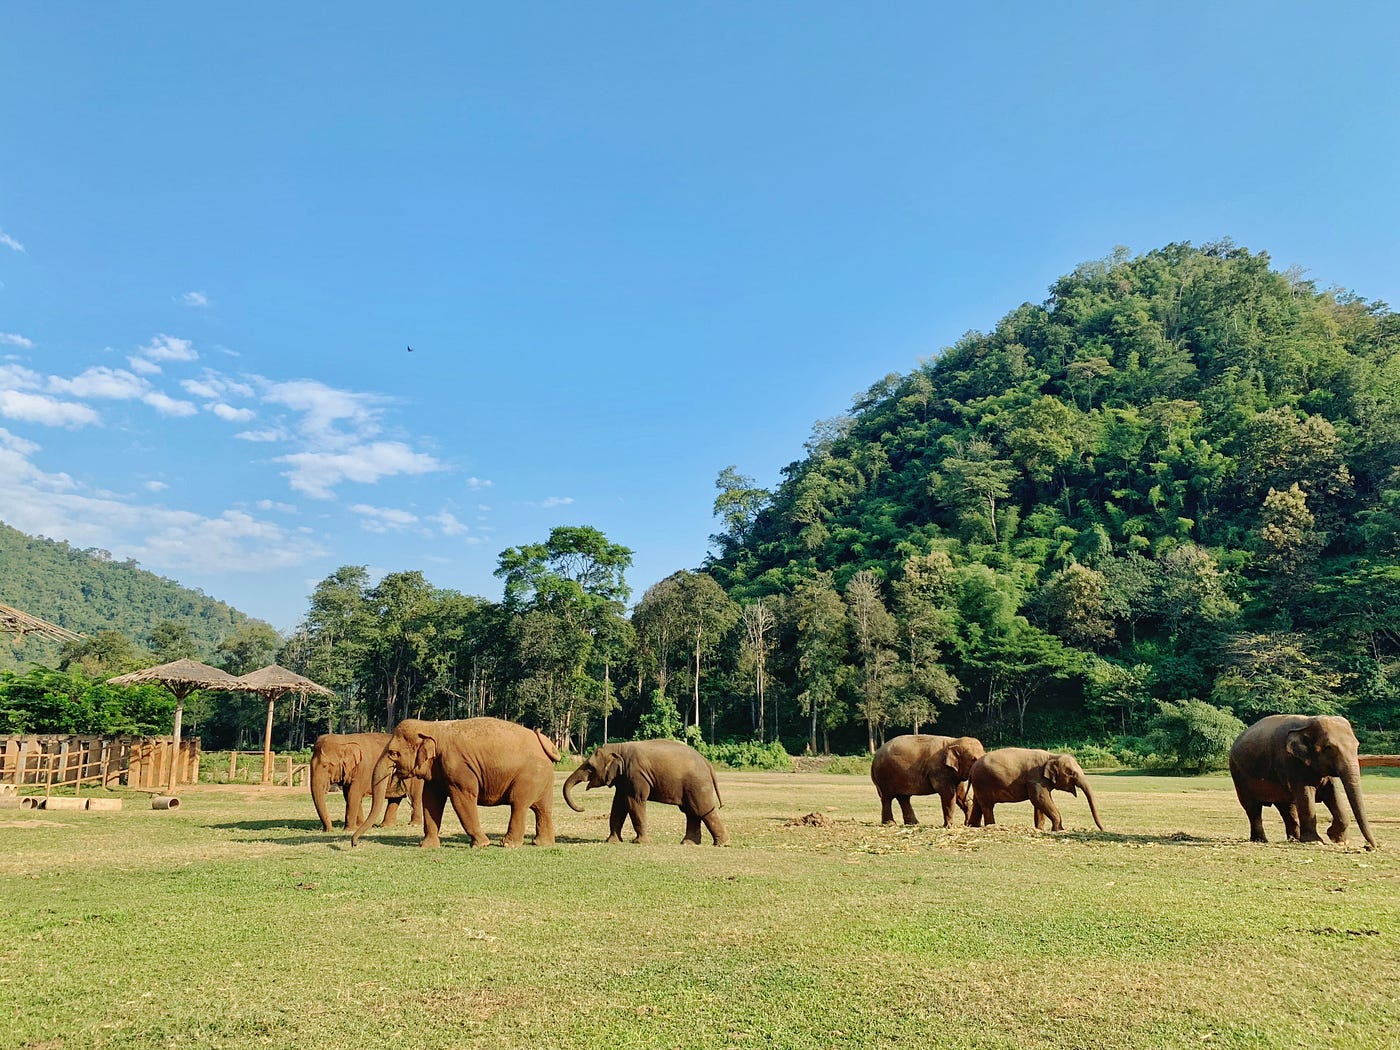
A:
[921,764]
[657,770]
[1015,774]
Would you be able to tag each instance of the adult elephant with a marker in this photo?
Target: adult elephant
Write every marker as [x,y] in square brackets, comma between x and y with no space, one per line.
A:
[1016,774]
[346,761]
[923,764]
[474,762]
[1286,760]
[658,771]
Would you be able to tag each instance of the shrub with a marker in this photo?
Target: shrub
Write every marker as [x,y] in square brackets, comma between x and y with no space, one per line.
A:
[850,764]
[1194,736]
[663,721]
[747,754]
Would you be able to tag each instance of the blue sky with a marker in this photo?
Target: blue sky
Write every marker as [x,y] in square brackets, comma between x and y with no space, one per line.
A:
[630,243]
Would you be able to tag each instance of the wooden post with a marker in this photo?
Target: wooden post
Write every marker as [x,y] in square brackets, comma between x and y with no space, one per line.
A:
[267,744]
[175,740]
[289,770]
[232,764]
[194,760]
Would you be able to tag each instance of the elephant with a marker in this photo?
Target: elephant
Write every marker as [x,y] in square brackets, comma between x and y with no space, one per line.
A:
[1015,774]
[475,762]
[347,762]
[1286,760]
[921,764]
[657,770]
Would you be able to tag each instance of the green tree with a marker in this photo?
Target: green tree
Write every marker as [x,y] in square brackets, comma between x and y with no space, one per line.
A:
[873,632]
[819,616]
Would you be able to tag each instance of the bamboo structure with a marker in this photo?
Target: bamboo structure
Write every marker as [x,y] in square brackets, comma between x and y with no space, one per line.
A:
[16,621]
[67,760]
[271,683]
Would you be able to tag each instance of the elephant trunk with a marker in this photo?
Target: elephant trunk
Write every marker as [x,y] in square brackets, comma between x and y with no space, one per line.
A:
[579,774]
[1082,782]
[1351,781]
[383,773]
[320,785]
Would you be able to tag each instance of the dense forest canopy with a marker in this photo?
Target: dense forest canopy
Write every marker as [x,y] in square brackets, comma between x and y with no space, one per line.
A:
[1163,501]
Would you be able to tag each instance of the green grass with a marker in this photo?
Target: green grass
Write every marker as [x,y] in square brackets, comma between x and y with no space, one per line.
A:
[233,922]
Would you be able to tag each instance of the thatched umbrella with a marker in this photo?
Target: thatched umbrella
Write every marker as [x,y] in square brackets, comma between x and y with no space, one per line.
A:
[15,621]
[271,683]
[181,677]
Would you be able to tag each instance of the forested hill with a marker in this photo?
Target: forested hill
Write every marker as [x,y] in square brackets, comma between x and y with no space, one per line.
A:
[1175,478]
[86,591]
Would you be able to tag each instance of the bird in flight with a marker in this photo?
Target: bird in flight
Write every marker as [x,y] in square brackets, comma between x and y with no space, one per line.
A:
[410,349]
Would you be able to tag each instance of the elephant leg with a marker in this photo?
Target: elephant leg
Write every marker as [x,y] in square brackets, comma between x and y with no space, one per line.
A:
[544,823]
[692,830]
[1254,812]
[1290,820]
[358,813]
[391,814]
[1045,806]
[886,809]
[719,834]
[434,801]
[1327,795]
[1307,815]
[515,829]
[906,810]
[464,804]
[616,817]
[985,810]
[960,796]
[945,796]
[637,811]
[974,819]
[1039,817]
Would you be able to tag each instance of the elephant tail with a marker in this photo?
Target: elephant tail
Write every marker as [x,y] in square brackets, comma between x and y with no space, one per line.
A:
[548,745]
[715,782]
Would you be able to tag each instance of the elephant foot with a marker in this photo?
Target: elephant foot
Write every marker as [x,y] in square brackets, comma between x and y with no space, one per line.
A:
[1259,838]
[614,839]
[511,844]
[643,840]
[887,823]
[482,842]
[430,843]
[544,841]
[722,841]
[688,841]
[1338,834]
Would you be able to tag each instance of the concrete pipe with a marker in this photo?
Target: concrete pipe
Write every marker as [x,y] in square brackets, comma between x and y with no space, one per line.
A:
[28,802]
[64,802]
[9,802]
[104,803]
[164,802]
[7,789]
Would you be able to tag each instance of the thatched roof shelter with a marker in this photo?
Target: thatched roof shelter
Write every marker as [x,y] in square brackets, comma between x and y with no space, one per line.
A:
[272,682]
[16,621]
[181,677]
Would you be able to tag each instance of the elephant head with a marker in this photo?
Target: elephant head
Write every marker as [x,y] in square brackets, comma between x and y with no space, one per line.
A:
[962,754]
[1062,773]
[411,751]
[600,768]
[1328,748]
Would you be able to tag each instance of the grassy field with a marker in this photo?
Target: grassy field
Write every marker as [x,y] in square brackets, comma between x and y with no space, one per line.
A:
[234,922]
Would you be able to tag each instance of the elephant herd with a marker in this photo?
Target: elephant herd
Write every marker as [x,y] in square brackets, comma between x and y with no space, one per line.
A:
[1286,761]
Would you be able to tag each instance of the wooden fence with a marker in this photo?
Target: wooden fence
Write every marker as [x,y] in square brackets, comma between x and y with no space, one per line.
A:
[64,760]
[284,770]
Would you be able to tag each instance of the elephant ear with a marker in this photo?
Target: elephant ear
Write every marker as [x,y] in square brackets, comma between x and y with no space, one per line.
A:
[612,766]
[951,756]
[1047,772]
[423,761]
[1299,746]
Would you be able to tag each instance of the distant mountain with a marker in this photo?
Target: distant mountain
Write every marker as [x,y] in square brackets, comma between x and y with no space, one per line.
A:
[87,591]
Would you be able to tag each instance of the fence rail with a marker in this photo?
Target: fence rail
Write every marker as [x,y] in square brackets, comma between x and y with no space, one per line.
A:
[67,760]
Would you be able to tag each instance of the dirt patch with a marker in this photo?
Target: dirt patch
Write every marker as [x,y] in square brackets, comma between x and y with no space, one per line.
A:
[33,824]
[811,820]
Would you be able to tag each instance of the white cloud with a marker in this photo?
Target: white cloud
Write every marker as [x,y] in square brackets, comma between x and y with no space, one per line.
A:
[317,473]
[556,501]
[270,504]
[10,242]
[271,434]
[117,384]
[11,339]
[168,348]
[327,412]
[475,483]
[159,537]
[448,523]
[383,519]
[146,368]
[49,411]
[233,415]
[155,486]
[213,386]
[195,299]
